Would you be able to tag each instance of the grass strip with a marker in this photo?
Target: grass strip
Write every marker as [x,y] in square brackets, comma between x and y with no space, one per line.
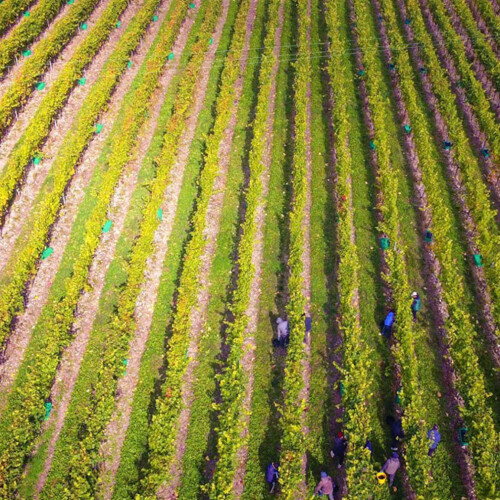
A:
[169,403]
[263,444]
[233,380]
[134,447]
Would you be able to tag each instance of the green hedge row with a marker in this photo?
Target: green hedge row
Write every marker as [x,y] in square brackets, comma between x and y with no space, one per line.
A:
[233,381]
[37,131]
[36,63]
[21,423]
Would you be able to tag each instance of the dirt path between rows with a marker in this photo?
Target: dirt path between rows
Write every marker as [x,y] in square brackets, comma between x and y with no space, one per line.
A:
[252,311]
[40,288]
[116,430]
[27,193]
[211,231]
[88,305]
[306,259]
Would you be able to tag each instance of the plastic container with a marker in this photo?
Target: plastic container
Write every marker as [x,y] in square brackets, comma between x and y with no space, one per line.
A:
[381,478]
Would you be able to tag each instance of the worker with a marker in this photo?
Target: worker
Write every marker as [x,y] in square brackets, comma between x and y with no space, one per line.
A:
[272,475]
[388,322]
[307,322]
[391,466]
[435,437]
[415,305]
[396,430]
[283,332]
[326,486]
[368,446]
[339,448]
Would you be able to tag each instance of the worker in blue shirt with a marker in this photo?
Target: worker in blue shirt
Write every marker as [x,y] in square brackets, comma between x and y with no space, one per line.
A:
[388,322]
[435,438]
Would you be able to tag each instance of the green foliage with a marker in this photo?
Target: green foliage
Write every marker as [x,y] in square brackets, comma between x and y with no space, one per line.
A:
[357,355]
[25,80]
[27,31]
[39,127]
[418,464]
[10,11]
[233,380]
[24,264]
[459,325]
[293,440]
[21,423]
[169,404]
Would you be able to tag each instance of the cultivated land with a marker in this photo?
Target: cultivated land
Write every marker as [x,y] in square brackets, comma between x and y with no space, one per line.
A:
[175,175]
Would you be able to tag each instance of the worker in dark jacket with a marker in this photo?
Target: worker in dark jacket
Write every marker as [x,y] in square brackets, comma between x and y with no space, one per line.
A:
[368,445]
[272,475]
[388,322]
[435,437]
[339,448]
[396,430]
[415,305]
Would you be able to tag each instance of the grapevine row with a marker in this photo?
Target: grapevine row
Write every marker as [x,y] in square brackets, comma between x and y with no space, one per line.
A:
[357,355]
[24,265]
[37,131]
[474,91]
[488,13]
[119,328]
[22,422]
[233,381]
[27,31]
[410,112]
[487,237]
[36,63]
[484,50]
[169,404]
[10,11]
[478,141]
[459,325]
[293,440]
[418,465]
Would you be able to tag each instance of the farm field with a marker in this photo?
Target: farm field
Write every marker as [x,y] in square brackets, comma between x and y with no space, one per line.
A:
[180,177]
